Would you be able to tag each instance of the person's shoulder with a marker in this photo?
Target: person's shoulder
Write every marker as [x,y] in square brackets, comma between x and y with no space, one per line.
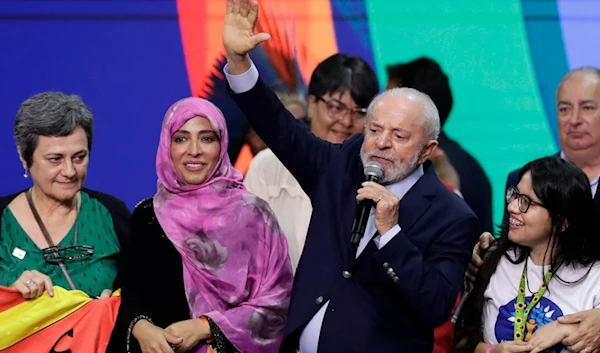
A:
[265,156]
[579,274]
[112,203]
[267,167]
[144,205]
[450,206]
[143,211]
[354,141]
[264,161]
[593,268]
[595,272]
[7,199]
[252,202]
[513,175]
[507,262]
[457,202]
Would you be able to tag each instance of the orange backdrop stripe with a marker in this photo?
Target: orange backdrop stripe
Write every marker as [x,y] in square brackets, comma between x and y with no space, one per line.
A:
[201,24]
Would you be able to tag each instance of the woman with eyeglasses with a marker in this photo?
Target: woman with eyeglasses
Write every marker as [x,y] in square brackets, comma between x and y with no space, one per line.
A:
[57,233]
[207,268]
[543,266]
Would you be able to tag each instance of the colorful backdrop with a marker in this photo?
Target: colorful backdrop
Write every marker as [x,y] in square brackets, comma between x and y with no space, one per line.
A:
[130,59]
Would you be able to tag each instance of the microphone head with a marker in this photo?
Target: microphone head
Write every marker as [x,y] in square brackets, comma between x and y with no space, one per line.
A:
[373,169]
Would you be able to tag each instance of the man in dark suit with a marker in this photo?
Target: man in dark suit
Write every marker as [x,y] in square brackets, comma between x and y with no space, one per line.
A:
[388,293]
[578,104]
[426,75]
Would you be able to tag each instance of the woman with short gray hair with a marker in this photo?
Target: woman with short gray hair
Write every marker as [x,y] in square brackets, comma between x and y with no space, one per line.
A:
[57,232]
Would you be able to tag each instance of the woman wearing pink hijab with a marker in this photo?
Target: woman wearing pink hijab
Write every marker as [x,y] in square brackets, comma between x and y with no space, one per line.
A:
[207,268]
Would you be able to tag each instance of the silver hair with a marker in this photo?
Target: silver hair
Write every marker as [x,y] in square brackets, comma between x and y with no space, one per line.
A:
[585,70]
[50,114]
[430,114]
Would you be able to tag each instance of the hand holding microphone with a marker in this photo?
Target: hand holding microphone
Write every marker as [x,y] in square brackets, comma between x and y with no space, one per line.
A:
[373,194]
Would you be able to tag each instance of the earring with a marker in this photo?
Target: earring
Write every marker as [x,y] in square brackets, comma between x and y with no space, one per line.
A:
[26,174]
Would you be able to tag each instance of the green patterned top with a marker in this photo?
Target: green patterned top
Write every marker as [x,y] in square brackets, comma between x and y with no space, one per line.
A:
[92,275]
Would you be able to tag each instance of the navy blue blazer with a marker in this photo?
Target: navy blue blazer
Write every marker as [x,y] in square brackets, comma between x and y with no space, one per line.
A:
[387,300]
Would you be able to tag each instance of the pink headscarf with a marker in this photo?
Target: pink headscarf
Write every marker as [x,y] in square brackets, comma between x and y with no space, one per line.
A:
[235,258]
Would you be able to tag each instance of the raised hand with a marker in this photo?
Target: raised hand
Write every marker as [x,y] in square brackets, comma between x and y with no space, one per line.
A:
[238,29]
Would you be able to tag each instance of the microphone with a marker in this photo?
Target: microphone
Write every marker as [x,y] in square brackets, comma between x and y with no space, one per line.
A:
[373,172]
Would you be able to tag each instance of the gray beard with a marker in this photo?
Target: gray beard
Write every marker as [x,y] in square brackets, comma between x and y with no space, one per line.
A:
[397,172]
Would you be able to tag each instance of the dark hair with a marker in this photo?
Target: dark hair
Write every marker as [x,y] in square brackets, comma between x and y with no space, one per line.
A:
[425,75]
[340,73]
[50,114]
[565,192]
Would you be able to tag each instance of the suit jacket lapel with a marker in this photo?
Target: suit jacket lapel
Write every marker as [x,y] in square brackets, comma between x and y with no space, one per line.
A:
[418,199]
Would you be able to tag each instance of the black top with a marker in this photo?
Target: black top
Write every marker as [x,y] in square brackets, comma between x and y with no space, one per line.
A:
[474,183]
[117,209]
[152,272]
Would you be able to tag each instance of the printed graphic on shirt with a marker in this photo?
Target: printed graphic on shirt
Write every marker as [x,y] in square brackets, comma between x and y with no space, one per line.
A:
[543,313]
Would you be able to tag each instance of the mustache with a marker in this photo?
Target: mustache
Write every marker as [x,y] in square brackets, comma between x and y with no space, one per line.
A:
[379,154]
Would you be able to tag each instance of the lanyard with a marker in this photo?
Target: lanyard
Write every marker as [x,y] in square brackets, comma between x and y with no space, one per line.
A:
[522,313]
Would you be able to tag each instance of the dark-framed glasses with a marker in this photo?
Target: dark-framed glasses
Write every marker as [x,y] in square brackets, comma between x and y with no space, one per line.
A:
[56,254]
[523,201]
[337,109]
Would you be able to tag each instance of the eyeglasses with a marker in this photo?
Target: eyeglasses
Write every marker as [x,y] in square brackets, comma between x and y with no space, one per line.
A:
[337,109]
[523,201]
[56,254]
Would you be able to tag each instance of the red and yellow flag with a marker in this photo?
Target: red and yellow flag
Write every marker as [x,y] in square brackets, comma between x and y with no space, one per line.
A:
[69,322]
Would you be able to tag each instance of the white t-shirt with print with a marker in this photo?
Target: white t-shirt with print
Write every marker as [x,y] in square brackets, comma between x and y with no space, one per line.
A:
[559,299]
